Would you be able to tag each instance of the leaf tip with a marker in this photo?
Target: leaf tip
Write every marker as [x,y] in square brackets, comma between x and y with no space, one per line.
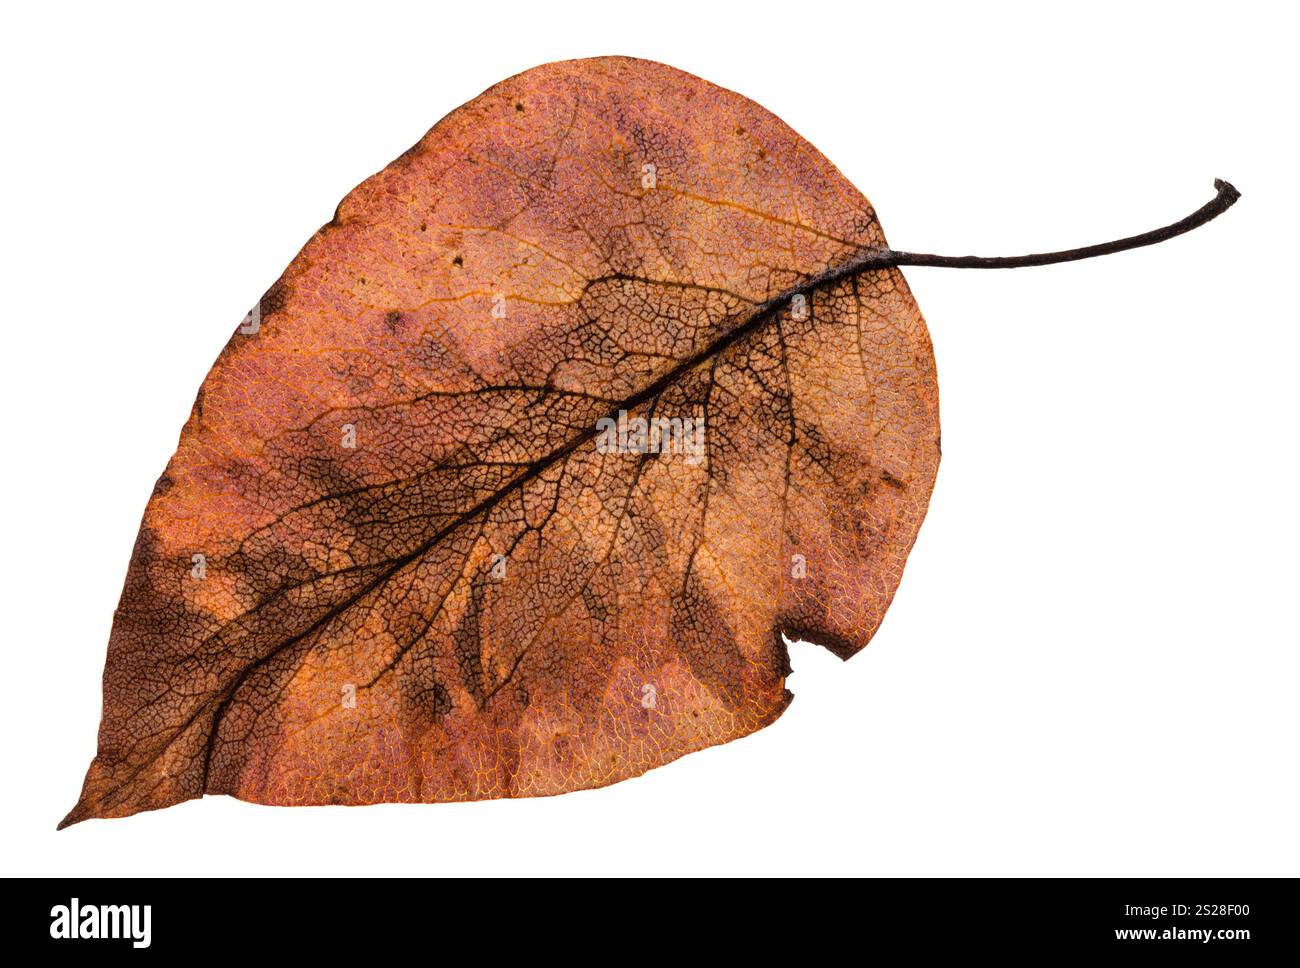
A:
[69,820]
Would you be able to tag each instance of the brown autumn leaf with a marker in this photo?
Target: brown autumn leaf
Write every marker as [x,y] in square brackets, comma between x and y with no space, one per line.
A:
[399,554]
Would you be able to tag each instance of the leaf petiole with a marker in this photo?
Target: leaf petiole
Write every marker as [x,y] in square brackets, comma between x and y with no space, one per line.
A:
[1226,195]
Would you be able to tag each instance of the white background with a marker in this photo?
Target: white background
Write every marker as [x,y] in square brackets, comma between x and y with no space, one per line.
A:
[1091,667]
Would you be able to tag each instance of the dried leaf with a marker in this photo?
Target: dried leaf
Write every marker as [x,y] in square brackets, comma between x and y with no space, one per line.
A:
[413,544]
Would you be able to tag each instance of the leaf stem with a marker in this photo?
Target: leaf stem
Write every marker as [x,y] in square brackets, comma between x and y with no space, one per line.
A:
[1224,198]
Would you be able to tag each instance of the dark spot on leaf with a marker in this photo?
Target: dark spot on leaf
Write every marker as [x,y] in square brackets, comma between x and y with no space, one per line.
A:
[467,643]
[893,481]
[273,299]
[442,704]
